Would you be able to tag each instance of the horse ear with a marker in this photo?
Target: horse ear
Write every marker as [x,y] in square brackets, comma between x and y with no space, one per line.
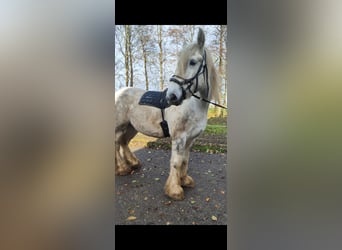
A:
[200,38]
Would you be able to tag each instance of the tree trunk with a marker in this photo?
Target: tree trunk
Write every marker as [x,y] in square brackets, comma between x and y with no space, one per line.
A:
[130,56]
[145,62]
[161,73]
[127,53]
[221,64]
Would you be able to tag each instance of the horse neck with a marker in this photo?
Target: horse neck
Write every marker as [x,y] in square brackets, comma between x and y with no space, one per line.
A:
[204,106]
[202,92]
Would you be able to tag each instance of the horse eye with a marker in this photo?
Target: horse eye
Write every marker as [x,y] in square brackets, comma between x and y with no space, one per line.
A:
[192,62]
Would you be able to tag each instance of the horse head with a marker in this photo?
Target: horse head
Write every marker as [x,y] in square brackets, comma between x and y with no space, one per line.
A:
[195,73]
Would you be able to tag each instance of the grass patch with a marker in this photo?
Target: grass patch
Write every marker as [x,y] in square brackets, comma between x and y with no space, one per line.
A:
[212,149]
[164,144]
[217,121]
[215,130]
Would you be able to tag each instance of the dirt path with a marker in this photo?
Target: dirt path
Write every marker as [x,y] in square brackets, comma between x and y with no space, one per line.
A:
[140,199]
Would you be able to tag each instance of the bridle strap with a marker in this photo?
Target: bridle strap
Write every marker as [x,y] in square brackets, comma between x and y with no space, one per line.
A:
[190,82]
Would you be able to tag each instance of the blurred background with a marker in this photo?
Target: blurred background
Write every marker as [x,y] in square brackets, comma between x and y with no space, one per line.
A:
[56,109]
[284,140]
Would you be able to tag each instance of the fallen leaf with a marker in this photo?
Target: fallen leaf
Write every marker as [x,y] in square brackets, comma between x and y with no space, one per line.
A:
[222,192]
[145,198]
[131,218]
[192,202]
[134,181]
[148,159]
[214,218]
[157,179]
[207,199]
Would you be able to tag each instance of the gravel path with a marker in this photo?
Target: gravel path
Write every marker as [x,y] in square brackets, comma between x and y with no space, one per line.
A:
[140,198]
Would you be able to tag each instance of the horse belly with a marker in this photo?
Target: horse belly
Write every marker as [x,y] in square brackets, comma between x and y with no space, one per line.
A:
[146,120]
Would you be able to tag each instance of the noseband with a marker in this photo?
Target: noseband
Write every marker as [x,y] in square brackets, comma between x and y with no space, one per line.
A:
[203,69]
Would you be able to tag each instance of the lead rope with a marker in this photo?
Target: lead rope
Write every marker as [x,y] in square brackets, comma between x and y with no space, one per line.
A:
[205,100]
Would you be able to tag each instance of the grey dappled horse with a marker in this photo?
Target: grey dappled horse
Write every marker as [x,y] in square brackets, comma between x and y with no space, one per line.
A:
[195,82]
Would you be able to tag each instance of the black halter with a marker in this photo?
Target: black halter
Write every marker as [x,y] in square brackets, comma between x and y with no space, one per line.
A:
[203,69]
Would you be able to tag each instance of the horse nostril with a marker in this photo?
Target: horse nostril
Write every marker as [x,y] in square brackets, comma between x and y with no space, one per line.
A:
[173,97]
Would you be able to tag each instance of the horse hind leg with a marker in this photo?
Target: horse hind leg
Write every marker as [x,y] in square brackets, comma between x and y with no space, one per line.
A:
[121,166]
[129,156]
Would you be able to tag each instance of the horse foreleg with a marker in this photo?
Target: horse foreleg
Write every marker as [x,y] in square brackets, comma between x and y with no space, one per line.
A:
[172,186]
[178,171]
[186,180]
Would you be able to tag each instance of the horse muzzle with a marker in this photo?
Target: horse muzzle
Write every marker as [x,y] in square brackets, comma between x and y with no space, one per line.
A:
[174,99]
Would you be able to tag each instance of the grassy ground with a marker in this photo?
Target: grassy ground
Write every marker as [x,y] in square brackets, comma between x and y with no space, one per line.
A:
[212,140]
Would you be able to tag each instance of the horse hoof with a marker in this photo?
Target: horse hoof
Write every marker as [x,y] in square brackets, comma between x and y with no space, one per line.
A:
[175,192]
[187,181]
[123,171]
[136,165]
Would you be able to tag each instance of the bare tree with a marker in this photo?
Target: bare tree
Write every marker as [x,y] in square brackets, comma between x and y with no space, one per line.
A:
[160,43]
[188,33]
[176,34]
[130,55]
[119,56]
[127,53]
[222,72]
[144,39]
